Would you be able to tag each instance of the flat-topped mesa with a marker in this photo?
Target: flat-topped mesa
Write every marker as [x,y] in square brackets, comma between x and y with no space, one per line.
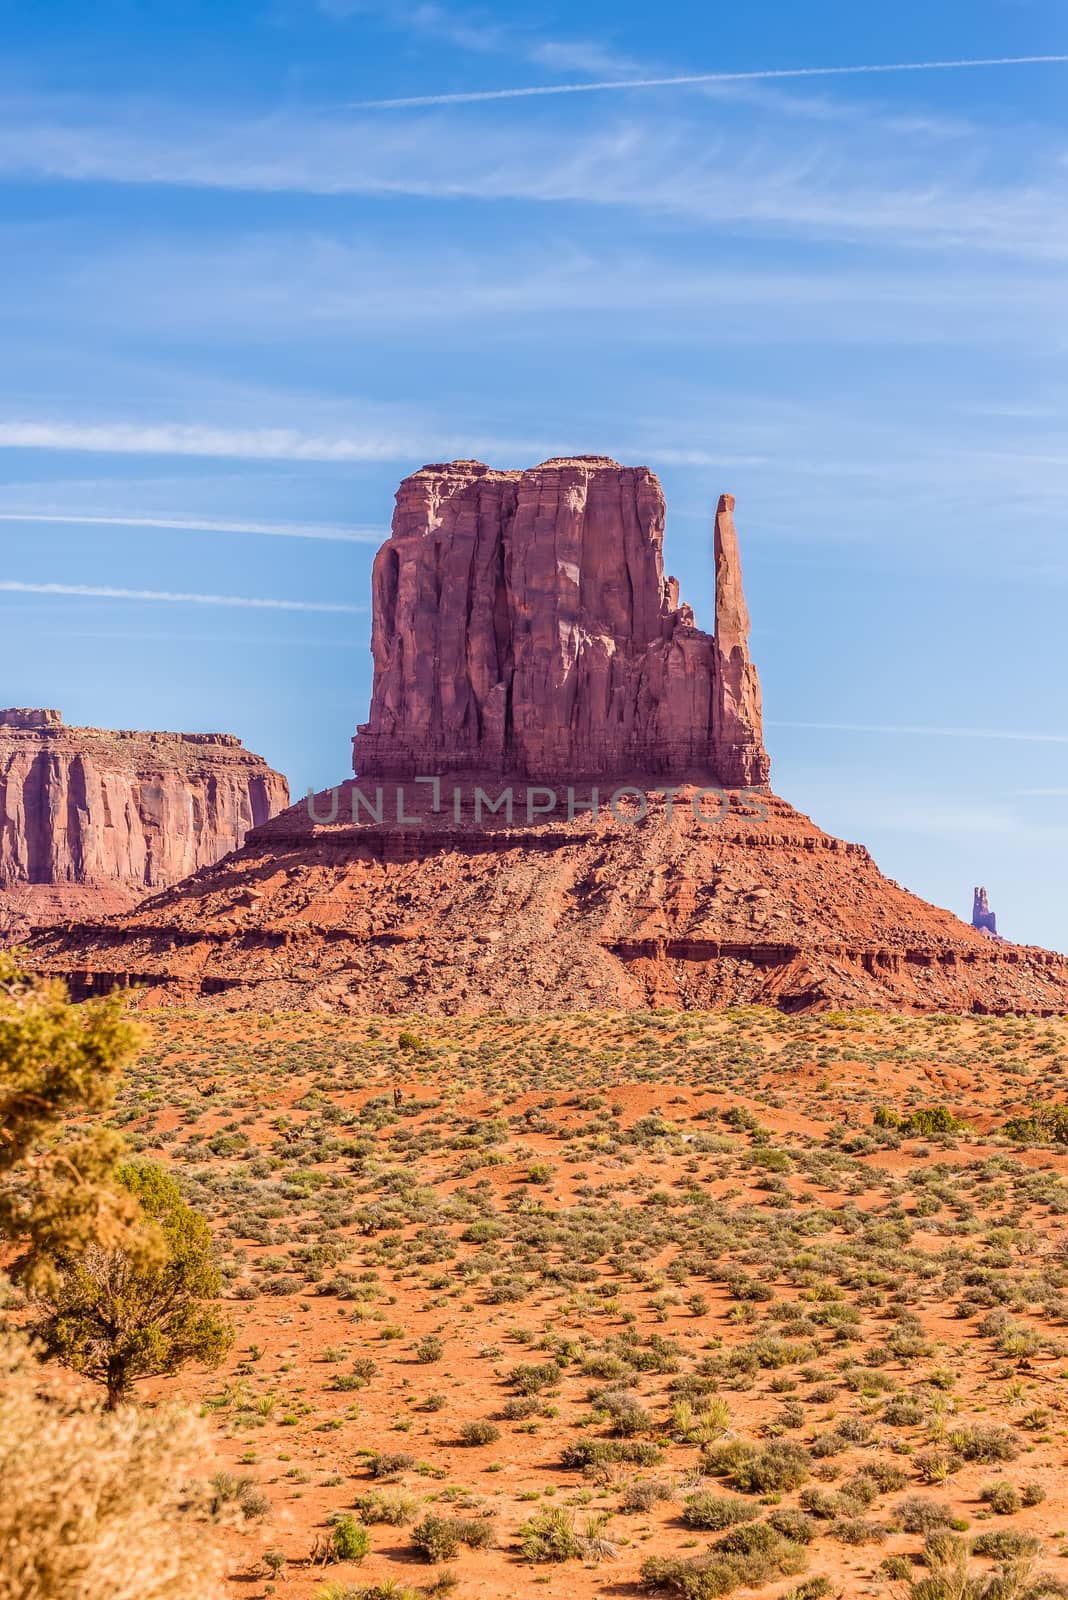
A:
[125,811]
[26,719]
[523,627]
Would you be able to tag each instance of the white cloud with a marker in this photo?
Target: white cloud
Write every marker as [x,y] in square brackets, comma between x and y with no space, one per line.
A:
[279,530]
[695,79]
[475,32]
[266,444]
[578,55]
[468,31]
[311,281]
[90,591]
[710,172]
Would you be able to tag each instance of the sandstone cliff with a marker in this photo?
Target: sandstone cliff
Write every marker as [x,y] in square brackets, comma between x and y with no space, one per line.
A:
[523,626]
[524,630]
[90,817]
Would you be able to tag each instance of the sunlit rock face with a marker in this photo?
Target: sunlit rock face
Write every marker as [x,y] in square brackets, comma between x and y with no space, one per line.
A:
[523,627]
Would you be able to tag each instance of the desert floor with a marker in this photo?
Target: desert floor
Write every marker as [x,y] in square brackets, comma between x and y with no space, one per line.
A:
[659,1275]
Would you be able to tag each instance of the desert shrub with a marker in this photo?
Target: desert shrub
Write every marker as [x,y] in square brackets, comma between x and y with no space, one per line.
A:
[757,1538]
[926,1120]
[1032,1494]
[1045,1125]
[779,1465]
[951,1579]
[348,1540]
[480,1432]
[429,1349]
[721,1571]
[393,1506]
[519,1408]
[1002,1498]
[550,1536]
[935,1466]
[603,1364]
[610,1452]
[645,1494]
[885,1475]
[793,1525]
[822,1503]
[855,1530]
[824,1445]
[627,1414]
[720,1460]
[1006,1544]
[920,1514]
[531,1379]
[231,1493]
[986,1444]
[390,1589]
[98,1506]
[717,1511]
[391,1463]
[441,1538]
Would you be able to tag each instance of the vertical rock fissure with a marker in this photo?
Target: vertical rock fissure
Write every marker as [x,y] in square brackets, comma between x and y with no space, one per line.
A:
[524,628]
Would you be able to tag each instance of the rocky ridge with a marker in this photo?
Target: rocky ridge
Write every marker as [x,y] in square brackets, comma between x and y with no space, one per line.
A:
[527,643]
[91,820]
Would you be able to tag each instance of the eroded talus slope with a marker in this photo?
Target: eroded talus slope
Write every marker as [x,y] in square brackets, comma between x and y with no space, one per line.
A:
[581,914]
[525,638]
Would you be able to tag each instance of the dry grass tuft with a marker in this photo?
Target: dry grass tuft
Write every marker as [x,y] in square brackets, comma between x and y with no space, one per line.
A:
[93,1505]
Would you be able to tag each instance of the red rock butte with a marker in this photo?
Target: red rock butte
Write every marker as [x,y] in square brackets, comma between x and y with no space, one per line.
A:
[524,628]
[92,820]
[525,638]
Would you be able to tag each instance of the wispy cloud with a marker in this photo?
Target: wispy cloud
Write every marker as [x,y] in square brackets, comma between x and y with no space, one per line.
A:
[578,55]
[92,591]
[284,444]
[707,170]
[694,79]
[478,33]
[466,30]
[308,281]
[275,530]
[264,444]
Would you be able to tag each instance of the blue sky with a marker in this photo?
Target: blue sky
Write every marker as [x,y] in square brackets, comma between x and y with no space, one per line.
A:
[239,303]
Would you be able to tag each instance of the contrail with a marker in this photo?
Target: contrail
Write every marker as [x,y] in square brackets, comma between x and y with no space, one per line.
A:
[936,733]
[87,591]
[610,84]
[276,530]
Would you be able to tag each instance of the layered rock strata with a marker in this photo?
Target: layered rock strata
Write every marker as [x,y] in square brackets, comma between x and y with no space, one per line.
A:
[95,818]
[523,626]
[745,904]
[529,651]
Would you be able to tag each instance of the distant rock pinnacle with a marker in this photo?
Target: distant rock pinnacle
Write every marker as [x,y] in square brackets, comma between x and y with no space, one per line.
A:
[982,917]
